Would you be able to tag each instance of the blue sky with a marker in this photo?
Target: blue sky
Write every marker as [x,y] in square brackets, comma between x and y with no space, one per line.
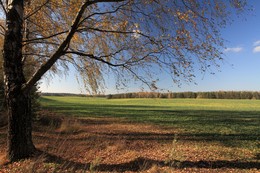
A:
[240,70]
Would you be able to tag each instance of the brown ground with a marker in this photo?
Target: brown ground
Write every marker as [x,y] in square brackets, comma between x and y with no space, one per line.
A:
[116,145]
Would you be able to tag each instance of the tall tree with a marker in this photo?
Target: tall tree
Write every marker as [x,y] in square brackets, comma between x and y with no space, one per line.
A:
[127,38]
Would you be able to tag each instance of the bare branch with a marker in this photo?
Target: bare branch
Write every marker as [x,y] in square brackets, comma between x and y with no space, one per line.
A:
[47,37]
[98,58]
[36,54]
[108,12]
[3,7]
[117,32]
[139,77]
[42,42]
[96,1]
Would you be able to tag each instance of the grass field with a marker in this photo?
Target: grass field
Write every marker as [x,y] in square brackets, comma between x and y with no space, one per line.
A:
[232,122]
[146,135]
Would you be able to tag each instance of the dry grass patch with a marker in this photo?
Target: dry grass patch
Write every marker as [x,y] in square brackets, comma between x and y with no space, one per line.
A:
[70,126]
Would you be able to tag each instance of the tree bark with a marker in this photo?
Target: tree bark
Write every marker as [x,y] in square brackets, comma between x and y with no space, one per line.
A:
[18,103]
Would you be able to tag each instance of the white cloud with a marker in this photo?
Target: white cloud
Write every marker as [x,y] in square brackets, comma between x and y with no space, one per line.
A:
[256,49]
[256,43]
[233,49]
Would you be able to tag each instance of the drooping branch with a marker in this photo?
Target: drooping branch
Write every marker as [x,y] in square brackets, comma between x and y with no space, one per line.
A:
[59,52]
[117,32]
[140,78]
[175,30]
[37,9]
[97,1]
[97,58]
[63,46]
[44,38]
[103,13]
[127,64]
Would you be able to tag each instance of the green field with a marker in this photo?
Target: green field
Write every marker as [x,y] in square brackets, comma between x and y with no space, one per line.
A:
[234,123]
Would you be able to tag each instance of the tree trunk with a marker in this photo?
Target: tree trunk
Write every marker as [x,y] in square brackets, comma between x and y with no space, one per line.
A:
[20,143]
[18,102]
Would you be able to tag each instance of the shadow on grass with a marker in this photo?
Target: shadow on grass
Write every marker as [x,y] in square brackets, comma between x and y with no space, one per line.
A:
[143,164]
[157,114]
[192,136]
[231,128]
[160,115]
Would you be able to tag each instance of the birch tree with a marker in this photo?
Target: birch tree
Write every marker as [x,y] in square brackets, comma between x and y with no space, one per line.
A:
[126,38]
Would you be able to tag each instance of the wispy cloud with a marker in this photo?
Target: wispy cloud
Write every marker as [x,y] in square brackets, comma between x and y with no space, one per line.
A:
[256,43]
[256,49]
[233,49]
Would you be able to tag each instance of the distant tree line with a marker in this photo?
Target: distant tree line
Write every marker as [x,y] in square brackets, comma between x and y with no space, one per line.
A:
[70,94]
[196,95]
[62,94]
